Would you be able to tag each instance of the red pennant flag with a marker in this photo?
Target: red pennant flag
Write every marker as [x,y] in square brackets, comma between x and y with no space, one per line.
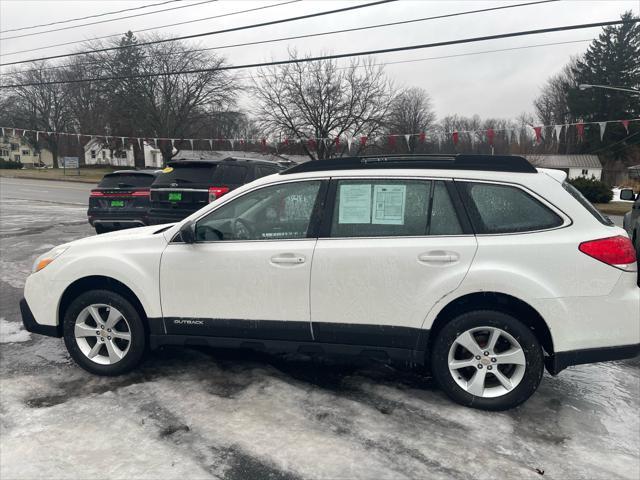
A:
[392,141]
[454,137]
[264,142]
[490,135]
[423,137]
[363,141]
[625,123]
[337,141]
[580,129]
[312,144]
[286,140]
[538,131]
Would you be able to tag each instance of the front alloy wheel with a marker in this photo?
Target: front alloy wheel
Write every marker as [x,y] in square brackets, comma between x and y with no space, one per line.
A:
[104,332]
[487,359]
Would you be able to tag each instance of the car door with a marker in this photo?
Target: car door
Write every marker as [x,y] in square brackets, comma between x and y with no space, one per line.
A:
[247,275]
[389,249]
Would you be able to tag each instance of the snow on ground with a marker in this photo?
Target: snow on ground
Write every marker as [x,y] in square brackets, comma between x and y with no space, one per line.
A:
[12,332]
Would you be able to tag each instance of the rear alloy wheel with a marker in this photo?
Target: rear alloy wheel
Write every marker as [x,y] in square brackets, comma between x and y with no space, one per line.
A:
[487,360]
[104,333]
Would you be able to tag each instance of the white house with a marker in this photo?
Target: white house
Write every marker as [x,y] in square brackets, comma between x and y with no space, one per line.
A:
[573,165]
[95,153]
[13,147]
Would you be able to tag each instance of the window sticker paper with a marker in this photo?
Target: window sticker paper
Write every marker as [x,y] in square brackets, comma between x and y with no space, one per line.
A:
[355,204]
[388,204]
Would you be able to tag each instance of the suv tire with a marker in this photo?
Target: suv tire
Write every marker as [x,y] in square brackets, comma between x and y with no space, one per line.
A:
[508,373]
[112,344]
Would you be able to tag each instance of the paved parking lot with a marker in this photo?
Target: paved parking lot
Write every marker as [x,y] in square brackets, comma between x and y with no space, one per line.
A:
[211,414]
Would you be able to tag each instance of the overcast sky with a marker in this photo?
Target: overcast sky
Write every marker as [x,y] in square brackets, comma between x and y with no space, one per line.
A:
[499,84]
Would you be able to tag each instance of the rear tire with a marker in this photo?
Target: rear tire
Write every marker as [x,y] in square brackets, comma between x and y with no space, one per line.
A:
[104,333]
[488,376]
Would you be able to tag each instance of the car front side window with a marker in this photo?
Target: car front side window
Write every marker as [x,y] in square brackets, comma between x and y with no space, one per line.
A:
[277,212]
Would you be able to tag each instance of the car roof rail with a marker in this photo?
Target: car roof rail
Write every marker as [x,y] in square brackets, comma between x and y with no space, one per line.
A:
[493,163]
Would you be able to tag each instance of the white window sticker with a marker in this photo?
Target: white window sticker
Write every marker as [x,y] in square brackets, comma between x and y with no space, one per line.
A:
[355,204]
[388,204]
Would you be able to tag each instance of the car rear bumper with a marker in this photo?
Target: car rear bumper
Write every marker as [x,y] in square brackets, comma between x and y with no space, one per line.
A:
[30,324]
[561,360]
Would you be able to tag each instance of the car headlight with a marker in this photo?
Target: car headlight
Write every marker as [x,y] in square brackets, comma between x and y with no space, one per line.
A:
[45,259]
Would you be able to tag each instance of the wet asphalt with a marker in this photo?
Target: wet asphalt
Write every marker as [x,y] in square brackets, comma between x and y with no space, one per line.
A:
[201,413]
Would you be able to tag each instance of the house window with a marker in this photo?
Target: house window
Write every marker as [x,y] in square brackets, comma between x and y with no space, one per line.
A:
[93,154]
[585,171]
[15,146]
[26,152]
[4,153]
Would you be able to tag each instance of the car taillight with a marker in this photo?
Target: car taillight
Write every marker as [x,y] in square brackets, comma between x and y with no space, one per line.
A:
[141,193]
[96,193]
[217,192]
[615,251]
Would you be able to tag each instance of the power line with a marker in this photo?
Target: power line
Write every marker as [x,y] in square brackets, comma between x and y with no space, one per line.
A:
[297,37]
[216,32]
[90,16]
[337,56]
[105,21]
[153,28]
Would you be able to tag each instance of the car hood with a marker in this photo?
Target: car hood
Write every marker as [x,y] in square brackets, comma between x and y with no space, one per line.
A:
[130,234]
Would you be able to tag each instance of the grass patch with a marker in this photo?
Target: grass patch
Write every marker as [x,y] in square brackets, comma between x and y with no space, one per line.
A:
[614,208]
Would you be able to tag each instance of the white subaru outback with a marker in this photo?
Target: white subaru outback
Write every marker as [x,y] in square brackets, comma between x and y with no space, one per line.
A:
[482,267]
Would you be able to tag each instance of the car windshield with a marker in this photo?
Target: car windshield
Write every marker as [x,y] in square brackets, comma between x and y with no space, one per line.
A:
[126,180]
[191,173]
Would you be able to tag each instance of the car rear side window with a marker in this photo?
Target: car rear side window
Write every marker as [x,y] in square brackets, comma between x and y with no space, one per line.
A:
[389,208]
[505,209]
[186,174]
[126,180]
[232,175]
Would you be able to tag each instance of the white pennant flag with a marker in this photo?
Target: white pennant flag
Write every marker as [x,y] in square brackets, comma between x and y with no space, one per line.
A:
[211,144]
[558,130]
[172,146]
[155,142]
[37,134]
[603,126]
[407,139]
[14,132]
[515,135]
[139,146]
[123,140]
[191,142]
[231,142]
[349,142]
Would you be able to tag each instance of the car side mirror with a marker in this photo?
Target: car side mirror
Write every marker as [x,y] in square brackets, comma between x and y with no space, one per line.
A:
[188,232]
[627,194]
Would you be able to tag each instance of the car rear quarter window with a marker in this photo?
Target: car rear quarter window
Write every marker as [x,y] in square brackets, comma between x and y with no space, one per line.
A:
[184,175]
[126,180]
[390,208]
[497,209]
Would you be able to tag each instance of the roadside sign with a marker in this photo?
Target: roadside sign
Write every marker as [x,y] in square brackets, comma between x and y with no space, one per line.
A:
[71,162]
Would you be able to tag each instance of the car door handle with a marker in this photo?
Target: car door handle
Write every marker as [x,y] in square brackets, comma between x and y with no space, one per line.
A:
[439,257]
[288,259]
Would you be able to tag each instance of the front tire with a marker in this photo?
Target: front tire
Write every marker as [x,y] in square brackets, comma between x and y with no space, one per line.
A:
[104,333]
[487,360]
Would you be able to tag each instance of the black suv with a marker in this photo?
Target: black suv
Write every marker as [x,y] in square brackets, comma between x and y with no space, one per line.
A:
[186,186]
[121,200]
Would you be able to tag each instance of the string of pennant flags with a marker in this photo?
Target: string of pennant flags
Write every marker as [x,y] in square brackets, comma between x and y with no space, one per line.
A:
[536,133]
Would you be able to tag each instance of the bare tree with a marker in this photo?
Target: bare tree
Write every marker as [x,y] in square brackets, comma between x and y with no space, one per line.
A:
[411,112]
[315,102]
[41,107]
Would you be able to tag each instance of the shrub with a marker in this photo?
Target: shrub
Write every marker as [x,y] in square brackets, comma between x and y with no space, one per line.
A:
[594,190]
[10,164]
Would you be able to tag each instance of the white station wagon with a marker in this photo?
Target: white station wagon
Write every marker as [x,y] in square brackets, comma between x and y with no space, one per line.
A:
[482,267]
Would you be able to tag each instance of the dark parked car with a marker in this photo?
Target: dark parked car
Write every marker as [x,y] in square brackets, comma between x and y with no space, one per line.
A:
[186,186]
[121,200]
[631,220]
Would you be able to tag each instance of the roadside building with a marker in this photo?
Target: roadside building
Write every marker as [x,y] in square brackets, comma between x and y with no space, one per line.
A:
[573,165]
[14,148]
[96,153]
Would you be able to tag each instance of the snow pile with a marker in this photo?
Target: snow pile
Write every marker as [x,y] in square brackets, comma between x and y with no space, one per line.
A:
[12,332]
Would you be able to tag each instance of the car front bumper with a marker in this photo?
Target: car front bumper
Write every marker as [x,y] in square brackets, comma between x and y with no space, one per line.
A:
[30,324]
